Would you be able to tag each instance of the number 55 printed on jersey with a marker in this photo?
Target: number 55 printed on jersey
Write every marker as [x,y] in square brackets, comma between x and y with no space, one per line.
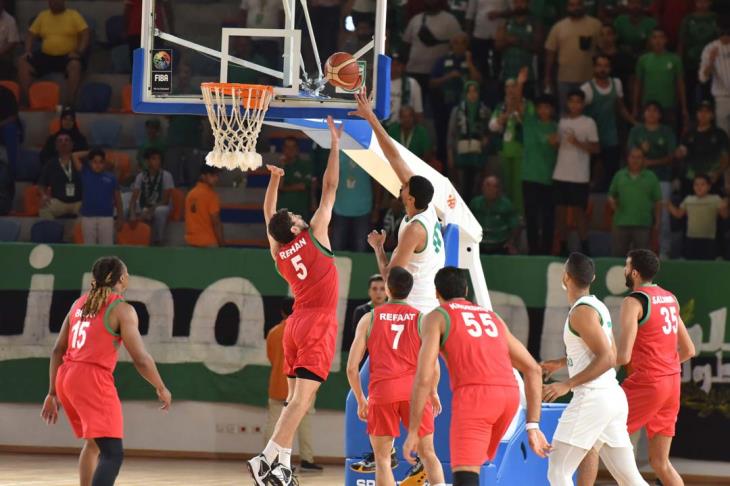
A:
[299,267]
[671,321]
[474,327]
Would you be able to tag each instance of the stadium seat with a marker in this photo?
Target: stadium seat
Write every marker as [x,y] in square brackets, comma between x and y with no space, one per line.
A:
[47,232]
[115,31]
[127,99]
[120,59]
[55,125]
[12,86]
[9,230]
[78,234]
[44,95]
[29,165]
[122,164]
[139,235]
[105,132]
[95,98]
[32,198]
[177,205]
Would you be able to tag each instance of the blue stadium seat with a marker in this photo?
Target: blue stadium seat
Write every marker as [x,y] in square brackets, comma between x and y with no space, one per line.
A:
[105,132]
[95,98]
[47,232]
[9,230]
[115,31]
[28,167]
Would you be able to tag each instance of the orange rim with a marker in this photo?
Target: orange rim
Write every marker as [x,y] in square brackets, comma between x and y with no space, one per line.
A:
[249,94]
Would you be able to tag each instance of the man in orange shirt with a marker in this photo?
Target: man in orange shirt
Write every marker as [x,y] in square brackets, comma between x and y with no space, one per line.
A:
[278,391]
[203,226]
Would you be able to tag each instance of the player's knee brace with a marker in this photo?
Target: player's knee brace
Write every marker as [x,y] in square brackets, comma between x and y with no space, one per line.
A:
[111,456]
[466,478]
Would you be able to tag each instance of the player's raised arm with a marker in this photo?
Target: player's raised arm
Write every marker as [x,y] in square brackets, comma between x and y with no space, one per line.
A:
[631,313]
[330,180]
[272,194]
[49,413]
[129,330]
[365,111]
[357,351]
[432,328]
[408,245]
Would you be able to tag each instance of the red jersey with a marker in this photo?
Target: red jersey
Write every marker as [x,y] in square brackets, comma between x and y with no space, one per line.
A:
[475,346]
[310,270]
[655,352]
[90,340]
[393,344]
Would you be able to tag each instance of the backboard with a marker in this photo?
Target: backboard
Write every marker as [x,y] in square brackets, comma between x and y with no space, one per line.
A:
[219,42]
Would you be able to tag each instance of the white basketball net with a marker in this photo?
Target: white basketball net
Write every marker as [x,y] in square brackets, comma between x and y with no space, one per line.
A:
[236,113]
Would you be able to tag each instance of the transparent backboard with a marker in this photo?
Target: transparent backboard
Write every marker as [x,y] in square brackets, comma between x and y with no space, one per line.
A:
[252,42]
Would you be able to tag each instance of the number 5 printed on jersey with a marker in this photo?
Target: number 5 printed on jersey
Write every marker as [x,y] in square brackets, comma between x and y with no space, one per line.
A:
[299,267]
[474,328]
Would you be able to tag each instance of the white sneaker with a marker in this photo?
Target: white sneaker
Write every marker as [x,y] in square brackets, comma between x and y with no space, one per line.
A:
[282,476]
[260,469]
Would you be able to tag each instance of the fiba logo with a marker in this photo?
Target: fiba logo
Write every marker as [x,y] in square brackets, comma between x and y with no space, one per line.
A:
[161,61]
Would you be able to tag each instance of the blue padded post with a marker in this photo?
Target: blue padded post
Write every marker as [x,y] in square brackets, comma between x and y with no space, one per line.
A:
[451,243]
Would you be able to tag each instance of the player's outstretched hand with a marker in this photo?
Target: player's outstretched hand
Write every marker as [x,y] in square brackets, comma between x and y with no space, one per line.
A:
[335,131]
[436,404]
[362,410]
[409,448]
[275,171]
[553,391]
[538,443]
[165,397]
[376,239]
[550,366]
[364,106]
[49,413]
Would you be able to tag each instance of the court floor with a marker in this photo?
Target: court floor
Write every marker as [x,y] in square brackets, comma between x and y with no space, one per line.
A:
[60,470]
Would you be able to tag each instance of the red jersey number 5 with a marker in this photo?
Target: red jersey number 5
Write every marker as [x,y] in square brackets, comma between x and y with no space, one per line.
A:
[299,267]
[474,327]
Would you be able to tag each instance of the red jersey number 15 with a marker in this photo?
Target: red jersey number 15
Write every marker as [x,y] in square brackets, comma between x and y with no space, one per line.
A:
[476,328]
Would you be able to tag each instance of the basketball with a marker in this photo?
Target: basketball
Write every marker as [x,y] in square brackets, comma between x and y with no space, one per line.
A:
[341,70]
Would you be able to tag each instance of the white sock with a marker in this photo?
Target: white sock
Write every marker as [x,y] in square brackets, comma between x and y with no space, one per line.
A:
[272,451]
[285,458]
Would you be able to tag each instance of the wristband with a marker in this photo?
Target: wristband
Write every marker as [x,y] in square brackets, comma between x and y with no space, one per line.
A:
[532,426]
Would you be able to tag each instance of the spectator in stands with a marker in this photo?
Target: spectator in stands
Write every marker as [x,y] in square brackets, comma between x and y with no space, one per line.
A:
[702,210]
[483,19]
[10,128]
[153,139]
[498,217]
[404,90]
[507,120]
[633,29]
[636,200]
[622,65]
[571,43]
[101,197]
[658,143]
[60,182]
[411,134]
[203,226]
[447,85]
[70,127]
[151,190]
[572,175]
[670,14]
[263,14]
[364,29]
[605,103]
[704,150]
[427,36]
[64,39]
[327,24]
[377,296]
[9,40]
[356,207]
[518,40]
[541,142]
[660,78]
[295,192]
[278,390]
[715,66]
[391,222]
[696,31]
[133,21]
[467,141]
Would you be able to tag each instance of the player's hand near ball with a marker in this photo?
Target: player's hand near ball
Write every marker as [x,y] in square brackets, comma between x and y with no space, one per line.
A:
[335,131]
[538,443]
[364,106]
[49,413]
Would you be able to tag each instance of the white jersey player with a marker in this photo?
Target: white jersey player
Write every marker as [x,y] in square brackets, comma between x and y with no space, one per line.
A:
[420,247]
[597,413]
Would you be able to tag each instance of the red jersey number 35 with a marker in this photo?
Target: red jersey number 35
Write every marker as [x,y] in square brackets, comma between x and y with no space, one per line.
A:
[484,325]
[671,320]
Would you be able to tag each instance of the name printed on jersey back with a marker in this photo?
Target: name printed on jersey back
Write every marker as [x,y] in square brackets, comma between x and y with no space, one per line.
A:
[458,306]
[388,316]
[298,245]
[663,299]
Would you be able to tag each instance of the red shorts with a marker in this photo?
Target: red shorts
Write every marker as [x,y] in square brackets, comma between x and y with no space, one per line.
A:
[309,342]
[89,398]
[384,419]
[480,415]
[654,405]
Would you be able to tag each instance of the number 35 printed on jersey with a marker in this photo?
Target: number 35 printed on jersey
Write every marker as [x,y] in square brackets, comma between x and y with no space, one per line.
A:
[485,325]
[671,320]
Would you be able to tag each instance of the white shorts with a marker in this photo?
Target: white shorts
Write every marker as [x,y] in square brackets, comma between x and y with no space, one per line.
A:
[595,415]
[423,304]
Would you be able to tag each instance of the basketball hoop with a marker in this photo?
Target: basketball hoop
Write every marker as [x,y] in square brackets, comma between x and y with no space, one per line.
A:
[236,113]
